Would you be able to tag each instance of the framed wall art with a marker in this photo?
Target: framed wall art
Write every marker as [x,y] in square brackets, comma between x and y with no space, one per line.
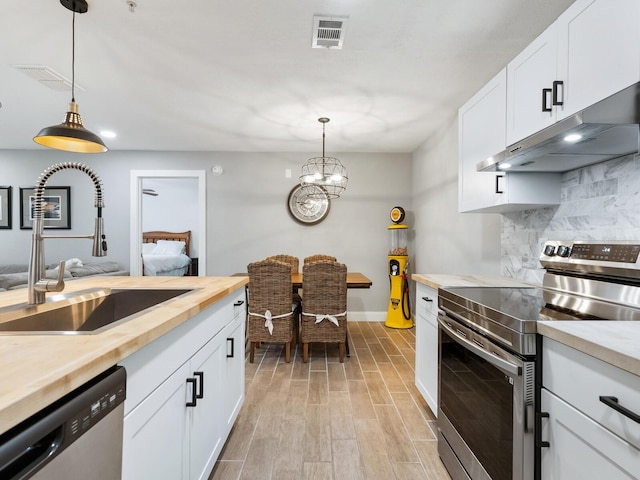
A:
[5,207]
[56,207]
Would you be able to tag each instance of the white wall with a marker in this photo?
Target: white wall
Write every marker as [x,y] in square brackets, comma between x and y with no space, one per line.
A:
[447,241]
[247,217]
[174,209]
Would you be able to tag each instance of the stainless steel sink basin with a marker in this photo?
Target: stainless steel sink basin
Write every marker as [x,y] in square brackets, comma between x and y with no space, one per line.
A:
[84,313]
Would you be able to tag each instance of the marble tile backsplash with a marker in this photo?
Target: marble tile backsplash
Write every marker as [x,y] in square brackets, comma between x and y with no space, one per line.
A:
[598,202]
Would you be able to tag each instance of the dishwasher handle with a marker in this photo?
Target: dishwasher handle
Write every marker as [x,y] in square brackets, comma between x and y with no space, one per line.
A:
[27,459]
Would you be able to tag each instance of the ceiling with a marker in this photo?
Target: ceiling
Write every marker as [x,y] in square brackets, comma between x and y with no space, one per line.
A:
[214,75]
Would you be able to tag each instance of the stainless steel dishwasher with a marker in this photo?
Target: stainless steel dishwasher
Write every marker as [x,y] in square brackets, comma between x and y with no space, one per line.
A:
[77,437]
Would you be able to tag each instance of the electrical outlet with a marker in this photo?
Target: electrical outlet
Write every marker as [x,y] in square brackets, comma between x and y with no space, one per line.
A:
[287,173]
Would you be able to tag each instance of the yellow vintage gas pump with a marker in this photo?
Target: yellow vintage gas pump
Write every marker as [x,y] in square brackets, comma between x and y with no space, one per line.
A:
[399,311]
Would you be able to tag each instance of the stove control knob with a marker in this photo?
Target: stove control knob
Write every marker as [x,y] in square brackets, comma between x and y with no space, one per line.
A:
[564,251]
[550,250]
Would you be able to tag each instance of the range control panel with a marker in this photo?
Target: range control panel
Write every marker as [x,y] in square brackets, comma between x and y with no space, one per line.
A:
[607,252]
[605,258]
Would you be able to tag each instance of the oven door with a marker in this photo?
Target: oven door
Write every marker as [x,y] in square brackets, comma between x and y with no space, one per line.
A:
[485,408]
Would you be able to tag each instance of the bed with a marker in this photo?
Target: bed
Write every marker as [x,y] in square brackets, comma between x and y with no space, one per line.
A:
[166,254]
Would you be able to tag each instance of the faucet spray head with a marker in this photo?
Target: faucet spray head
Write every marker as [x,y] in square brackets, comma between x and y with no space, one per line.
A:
[99,239]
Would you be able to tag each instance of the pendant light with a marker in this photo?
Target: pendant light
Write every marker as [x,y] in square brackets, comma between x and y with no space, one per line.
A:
[325,172]
[71,136]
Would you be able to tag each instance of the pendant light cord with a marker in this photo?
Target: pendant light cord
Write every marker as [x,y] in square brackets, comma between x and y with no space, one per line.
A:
[73,58]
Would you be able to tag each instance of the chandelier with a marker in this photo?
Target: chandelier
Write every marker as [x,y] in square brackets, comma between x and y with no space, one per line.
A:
[325,172]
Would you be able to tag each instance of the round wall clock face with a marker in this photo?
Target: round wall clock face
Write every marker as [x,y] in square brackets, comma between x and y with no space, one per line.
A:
[309,204]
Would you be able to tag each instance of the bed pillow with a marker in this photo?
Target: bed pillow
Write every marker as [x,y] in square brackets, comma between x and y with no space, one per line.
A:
[169,247]
[148,248]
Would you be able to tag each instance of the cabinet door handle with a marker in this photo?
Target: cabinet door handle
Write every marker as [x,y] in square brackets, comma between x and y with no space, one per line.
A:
[200,390]
[556,100]
[192,403]
[546,92]
[427,299]
[238,303]
[498,177]
[613,403]
[542,444]
[230,355]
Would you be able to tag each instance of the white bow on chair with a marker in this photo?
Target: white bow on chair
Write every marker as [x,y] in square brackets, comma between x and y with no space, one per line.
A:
[322,316]
[268,322]
[268,319]
[331,318]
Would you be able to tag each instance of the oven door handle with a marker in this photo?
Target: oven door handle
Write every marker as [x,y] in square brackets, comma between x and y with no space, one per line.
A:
[481,352]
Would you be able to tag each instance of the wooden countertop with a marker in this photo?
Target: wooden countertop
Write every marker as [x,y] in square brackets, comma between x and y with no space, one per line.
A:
[437,280]
[38,369]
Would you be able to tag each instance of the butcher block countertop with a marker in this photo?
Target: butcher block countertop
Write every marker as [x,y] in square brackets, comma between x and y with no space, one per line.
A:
[36,370]
[437,280]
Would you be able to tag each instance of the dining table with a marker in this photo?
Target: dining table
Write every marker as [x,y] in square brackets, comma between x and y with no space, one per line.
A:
[354,279]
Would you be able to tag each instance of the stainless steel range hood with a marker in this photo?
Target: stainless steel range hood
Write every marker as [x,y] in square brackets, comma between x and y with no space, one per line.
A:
[607,129]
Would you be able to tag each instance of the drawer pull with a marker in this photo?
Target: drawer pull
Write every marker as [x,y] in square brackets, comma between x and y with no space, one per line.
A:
[427,299]
[613,403]
[238,303]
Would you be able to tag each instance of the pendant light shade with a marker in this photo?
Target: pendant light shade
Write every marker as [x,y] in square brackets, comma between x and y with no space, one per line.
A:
[71,136]
[325,172]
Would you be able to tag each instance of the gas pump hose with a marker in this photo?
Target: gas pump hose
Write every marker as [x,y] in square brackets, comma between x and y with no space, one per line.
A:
[406,313]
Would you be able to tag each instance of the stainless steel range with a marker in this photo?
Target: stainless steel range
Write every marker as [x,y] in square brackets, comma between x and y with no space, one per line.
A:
[488,346]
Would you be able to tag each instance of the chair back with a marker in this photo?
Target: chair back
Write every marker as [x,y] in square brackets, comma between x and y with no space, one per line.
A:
[325,287]
[290,260]
[270,287]
[319,257]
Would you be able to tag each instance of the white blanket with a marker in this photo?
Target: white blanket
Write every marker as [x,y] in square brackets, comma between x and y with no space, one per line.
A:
[156,265]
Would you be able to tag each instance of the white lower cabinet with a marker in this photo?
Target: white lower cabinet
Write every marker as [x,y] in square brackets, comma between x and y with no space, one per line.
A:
[427,344]
[184,393]
[583,437]
[580,448]
[155,433]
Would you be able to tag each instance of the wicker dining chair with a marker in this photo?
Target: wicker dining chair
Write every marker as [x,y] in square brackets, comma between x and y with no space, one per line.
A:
[294,263]
[324,305]
[319,257]
[270,306]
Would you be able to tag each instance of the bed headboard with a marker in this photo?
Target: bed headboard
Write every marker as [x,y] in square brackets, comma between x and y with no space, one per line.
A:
[153,237]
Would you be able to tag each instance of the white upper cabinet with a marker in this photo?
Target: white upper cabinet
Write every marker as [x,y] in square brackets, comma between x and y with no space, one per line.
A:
[591,52]
[530,77]
[481,133]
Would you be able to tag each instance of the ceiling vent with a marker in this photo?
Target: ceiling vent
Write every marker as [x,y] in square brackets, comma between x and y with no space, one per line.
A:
[47,77]
[328,32]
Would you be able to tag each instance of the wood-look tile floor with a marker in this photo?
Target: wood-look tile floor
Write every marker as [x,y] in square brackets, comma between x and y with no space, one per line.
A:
[363,419]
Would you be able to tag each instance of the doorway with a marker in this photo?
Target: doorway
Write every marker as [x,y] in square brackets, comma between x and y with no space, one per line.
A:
[138,178]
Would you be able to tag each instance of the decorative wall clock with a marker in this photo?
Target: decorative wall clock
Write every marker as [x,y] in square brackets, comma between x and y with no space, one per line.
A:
[309,204]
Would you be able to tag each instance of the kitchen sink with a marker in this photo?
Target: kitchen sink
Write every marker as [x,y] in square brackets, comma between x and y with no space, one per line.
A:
[87,312]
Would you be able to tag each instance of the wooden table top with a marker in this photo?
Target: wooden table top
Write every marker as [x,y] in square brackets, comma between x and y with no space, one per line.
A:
[354,279]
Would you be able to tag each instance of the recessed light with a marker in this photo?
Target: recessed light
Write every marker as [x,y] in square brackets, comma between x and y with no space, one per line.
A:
[107,134]
[504,166]
[572,137]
